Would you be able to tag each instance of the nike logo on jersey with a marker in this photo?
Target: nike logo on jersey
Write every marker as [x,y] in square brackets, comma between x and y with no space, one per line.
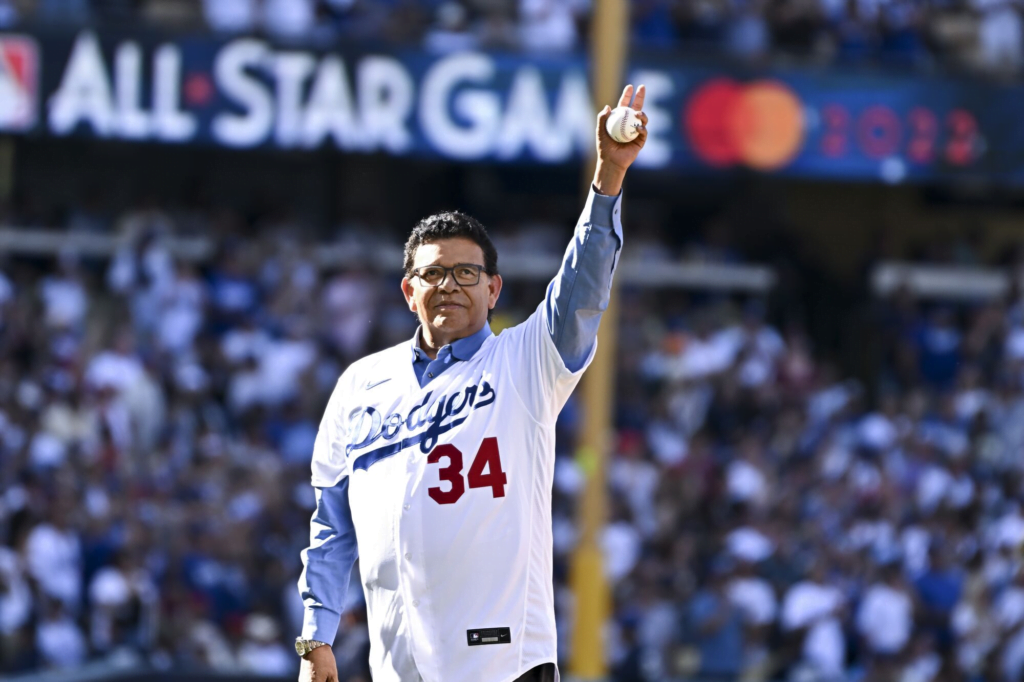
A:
[374,384]
[489,636]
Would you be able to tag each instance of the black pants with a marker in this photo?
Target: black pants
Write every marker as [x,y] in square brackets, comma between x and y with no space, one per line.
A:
[544,672]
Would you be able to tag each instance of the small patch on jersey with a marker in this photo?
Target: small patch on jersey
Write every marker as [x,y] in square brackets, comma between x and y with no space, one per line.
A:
[489,636]
[374,384]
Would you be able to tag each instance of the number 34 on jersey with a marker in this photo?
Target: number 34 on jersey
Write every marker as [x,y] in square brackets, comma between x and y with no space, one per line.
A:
[484,472]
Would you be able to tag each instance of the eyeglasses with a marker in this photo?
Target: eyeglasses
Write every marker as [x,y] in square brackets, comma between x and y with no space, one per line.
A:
[465,274]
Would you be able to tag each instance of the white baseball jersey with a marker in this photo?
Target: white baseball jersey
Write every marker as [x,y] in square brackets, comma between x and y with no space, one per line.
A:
[450,495]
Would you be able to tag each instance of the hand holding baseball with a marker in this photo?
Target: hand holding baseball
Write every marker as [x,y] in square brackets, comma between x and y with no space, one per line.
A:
[614,157]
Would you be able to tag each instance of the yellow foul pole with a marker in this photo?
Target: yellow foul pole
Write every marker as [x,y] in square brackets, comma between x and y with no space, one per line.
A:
[608,48]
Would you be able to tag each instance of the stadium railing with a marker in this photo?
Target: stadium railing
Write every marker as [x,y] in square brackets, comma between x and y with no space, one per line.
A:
[677,275]
[951,282]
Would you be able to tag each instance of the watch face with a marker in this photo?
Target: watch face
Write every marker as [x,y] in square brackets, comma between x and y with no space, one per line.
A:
[300,649]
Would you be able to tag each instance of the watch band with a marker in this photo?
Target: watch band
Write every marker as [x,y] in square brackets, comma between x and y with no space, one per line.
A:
[304,646]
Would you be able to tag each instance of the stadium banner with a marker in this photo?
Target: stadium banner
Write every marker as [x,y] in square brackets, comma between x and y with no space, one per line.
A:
[247,93]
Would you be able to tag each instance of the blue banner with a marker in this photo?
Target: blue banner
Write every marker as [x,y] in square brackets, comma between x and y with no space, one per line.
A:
[248,93]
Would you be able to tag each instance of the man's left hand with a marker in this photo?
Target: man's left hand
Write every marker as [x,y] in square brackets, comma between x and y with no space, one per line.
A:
[613,158]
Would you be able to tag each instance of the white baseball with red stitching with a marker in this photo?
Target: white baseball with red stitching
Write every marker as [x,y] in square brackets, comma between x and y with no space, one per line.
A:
[623,124]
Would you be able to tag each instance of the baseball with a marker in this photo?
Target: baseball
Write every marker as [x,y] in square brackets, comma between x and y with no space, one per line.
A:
[623,124]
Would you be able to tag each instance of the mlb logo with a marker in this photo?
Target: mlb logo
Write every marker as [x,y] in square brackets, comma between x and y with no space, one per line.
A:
[19,83]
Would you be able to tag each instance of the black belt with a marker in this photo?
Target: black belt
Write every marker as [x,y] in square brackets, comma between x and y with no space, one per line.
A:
[545,672]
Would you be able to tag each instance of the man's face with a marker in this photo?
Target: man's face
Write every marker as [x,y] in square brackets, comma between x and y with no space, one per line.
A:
[451,311]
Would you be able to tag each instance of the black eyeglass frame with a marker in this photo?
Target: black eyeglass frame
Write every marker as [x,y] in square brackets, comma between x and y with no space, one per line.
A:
[415,272]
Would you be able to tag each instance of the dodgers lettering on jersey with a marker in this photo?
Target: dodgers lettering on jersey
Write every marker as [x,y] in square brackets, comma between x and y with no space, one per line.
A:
[438,414]
[450,495]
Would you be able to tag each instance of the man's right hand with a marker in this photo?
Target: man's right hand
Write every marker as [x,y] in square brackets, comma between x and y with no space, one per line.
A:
[319,666]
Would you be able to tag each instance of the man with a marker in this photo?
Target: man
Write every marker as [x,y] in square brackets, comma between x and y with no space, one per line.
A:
[435,459]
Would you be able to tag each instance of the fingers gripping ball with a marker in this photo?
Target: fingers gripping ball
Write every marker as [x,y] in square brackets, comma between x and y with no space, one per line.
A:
[623,124]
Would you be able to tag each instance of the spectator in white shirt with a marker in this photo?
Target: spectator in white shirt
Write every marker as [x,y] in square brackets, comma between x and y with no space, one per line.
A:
[621,545]
[451,30]
[245,389]
[705,353]
[925,663]
[291,19]
[64,299]
[116,369]
[885,617]
[547,25]
[813,608]
[60,641]
[974,624]
[1000,34]
[245,342]
[748,543]
[752,595]
[1009,605]
[636,480]
[1012,661]
[109,592]
[349,301]
[878,430]
[284,361]
[231,16]
[762,348]
[262,652]
[143,271]
[53,554]
[181,311]
[15,596]
[745,478]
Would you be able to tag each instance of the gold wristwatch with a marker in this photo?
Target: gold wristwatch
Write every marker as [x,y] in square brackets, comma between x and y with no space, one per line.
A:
[304,646]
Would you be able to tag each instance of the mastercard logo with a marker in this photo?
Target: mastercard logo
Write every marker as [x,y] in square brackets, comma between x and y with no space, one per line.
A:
[759,124]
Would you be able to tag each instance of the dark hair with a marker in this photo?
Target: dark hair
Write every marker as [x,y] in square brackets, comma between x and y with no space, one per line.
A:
[450,225]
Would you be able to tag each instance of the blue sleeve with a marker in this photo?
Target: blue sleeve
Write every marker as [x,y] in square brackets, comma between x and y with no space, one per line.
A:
[327,563]
[580,292]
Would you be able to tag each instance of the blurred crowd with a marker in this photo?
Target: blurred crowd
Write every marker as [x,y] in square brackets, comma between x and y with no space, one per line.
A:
[770,520]
[776,521]
[985,35]
[979,35]
[156,427]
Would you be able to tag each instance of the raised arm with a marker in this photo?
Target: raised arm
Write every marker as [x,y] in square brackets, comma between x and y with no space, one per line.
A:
[579,293]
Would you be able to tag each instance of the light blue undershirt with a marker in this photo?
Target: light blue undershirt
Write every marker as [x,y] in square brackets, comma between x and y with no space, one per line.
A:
[459,350]
[573,305]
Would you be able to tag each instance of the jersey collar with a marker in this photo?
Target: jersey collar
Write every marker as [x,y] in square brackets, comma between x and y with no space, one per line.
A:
[461,349]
